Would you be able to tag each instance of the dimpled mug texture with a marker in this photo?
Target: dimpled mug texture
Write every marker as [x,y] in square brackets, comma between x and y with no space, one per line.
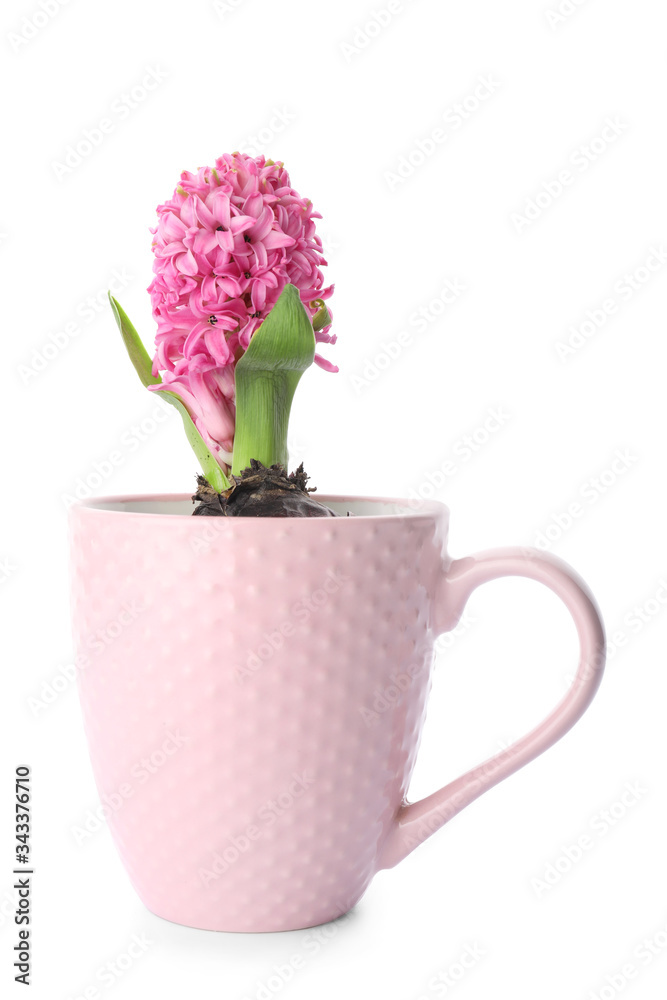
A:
[231,675]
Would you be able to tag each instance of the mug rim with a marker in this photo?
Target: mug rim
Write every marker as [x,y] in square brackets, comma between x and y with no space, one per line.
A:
[425,508]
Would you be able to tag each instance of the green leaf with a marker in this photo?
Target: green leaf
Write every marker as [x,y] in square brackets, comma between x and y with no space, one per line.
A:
[141,360]
[214,474]
[266,377]
[139,356]
[322,317]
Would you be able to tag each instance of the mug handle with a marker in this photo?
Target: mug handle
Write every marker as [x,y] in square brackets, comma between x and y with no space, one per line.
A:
[415,822]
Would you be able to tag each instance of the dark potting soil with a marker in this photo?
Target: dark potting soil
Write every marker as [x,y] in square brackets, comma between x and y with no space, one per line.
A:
[261,492]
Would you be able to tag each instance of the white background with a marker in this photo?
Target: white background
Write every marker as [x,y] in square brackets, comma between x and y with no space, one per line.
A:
[349,107]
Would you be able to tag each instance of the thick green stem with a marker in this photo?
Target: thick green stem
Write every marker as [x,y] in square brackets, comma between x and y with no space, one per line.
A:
[266,378]
[268,398]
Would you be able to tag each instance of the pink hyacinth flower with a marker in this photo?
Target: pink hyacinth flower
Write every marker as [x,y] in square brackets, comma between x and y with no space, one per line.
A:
[226,244]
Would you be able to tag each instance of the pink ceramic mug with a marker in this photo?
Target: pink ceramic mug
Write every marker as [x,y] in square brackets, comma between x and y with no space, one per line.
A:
[254,689]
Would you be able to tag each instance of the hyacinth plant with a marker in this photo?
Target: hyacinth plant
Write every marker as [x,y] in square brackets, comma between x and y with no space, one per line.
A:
[240,304]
